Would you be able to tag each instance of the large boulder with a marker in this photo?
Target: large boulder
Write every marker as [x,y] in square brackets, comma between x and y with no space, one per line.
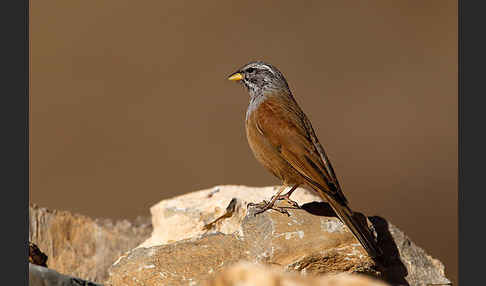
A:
[199,234]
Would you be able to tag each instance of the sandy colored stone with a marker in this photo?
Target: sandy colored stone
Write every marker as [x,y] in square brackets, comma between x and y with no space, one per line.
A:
[248,274]
[311,241]
[186,215]
[81,246]
[299,242]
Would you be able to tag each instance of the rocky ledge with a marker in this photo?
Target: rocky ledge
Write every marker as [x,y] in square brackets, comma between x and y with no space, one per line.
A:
[211,237]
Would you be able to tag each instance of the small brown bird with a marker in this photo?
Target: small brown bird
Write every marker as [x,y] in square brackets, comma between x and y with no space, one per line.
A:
[284,142]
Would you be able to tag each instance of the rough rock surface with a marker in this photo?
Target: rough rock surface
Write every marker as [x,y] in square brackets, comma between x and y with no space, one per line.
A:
[247,274]
[42,276]
[187,215]
[190,244]
[81,246]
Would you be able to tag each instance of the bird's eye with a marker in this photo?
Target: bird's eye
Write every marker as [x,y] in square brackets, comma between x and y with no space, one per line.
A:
[250,70]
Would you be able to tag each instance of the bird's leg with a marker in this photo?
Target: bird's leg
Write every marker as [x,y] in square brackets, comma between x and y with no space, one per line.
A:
[264,206]
[286,197]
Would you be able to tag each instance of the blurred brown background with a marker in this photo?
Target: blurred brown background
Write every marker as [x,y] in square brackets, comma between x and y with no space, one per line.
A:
[130,103]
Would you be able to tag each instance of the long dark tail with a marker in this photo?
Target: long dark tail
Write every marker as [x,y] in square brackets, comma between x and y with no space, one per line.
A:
[360,231]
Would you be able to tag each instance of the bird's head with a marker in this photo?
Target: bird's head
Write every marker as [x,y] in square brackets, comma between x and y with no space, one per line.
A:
[259,78]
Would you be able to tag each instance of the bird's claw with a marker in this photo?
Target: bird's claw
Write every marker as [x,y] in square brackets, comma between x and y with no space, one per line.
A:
[268,205]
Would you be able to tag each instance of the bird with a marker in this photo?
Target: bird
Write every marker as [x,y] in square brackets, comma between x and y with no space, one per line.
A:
[284,142]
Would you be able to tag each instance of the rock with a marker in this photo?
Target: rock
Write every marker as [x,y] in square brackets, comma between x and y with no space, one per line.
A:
[199,234]
[42,276]
[81,246]
[187,215]
[36,256]
[248,274]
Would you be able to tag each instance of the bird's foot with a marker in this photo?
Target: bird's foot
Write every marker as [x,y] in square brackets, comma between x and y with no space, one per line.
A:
[264,206]
[286,198]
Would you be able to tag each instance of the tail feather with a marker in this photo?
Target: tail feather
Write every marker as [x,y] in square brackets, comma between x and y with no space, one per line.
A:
[360,231]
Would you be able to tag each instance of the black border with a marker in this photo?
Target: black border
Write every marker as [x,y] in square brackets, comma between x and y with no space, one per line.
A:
[26,117]
[14,103]
[472,144]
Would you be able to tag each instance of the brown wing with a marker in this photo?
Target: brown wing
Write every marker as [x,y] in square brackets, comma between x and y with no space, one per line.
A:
[286,128]
[324,159]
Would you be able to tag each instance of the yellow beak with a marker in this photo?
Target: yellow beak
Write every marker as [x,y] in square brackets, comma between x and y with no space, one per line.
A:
[236,76]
